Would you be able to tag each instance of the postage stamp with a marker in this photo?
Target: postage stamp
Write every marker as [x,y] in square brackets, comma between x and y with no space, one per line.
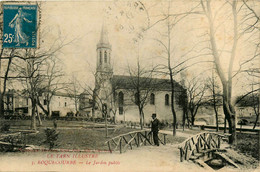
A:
[19,26]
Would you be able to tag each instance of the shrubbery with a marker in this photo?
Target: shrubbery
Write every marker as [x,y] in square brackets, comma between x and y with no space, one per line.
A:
[15,142]
[51,137]
[247,143]
[5,127]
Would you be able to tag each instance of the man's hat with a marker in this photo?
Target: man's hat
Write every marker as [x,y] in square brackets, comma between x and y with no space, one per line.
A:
[154,114]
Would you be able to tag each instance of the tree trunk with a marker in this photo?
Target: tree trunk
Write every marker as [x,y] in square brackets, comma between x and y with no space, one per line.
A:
[94,103]
[33,120]
[42,108]
[187,118]
[231,122]
[48,109]
[214,100]
[225,124]
[216,113]
[173,113]
[38,115]
[257,118]
[183,118]
[192,120]
[106,124]
[215,109]
[256,109]
[5,82]
[171,73]
[229,111]
[141,118]
[1,104]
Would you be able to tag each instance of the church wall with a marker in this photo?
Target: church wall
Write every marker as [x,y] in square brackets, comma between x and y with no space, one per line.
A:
[163,111]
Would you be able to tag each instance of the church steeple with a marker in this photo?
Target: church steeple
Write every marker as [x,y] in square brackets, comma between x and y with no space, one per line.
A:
[104,73]
[103,42]
[103,36]
[104,52]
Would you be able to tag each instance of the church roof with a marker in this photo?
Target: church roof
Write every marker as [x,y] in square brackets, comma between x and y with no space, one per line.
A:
[130,82]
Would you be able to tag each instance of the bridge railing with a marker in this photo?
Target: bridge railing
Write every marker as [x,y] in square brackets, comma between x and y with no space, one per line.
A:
[200,142]
[131,139]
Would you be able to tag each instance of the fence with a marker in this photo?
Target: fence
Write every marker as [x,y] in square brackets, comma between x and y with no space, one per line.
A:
[202,142]
[131,139]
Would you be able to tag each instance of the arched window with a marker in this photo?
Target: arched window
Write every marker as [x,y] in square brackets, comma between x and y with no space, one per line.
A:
[105,57]
[167,99]
[152,99]
[121,102]
[100,57]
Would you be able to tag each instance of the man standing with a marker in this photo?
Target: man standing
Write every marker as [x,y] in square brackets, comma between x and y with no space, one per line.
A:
[155,129]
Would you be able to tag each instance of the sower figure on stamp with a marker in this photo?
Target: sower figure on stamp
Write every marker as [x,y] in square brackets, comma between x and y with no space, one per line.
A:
[17,23]
[155,129]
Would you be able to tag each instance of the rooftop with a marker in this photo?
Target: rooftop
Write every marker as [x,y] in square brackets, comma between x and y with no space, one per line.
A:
[131,82]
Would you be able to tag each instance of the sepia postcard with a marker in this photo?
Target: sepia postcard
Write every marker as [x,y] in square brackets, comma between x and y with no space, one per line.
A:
[130,85]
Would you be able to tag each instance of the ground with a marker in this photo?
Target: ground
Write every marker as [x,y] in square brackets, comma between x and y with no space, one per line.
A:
[80,135]
[148,158]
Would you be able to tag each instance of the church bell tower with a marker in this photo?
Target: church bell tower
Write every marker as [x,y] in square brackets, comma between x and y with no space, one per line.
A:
[103,77]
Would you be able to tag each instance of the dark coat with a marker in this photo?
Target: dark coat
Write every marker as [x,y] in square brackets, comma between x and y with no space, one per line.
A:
[155,125]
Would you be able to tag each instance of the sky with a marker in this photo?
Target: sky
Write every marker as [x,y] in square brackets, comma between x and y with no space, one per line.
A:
[79,24]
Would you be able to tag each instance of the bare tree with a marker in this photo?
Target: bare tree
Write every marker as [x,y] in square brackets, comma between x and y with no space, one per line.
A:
[8,55]
[251,99]
[215,96]
[256,106]
[74,90]
[169,20]
[195,90]
[30,69]
[142,85]
[103,101]
[237,32]
[52,83]
[30,76]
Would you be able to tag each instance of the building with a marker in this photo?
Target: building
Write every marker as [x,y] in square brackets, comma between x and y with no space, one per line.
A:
[18,102]
[63,103]
[115,94]
[85,104]
[15,102]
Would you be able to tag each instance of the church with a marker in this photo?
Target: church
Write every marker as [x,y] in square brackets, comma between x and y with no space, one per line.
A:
[117,95]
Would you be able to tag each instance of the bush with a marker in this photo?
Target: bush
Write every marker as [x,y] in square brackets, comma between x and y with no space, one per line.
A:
[70,114]
[5,127]
[55,114]
[14,140]
[247,143]
[51,137]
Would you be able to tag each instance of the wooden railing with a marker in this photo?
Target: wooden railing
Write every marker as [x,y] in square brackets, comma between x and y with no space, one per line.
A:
[131,139]
[201,142]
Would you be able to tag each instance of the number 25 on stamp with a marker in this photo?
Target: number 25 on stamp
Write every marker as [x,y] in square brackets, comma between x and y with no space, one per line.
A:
[19,26]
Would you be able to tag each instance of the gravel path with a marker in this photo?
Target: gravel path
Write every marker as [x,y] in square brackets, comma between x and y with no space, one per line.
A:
[149,158]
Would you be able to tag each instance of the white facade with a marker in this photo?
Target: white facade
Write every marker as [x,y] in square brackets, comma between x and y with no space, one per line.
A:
[160,107]
[63,103]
